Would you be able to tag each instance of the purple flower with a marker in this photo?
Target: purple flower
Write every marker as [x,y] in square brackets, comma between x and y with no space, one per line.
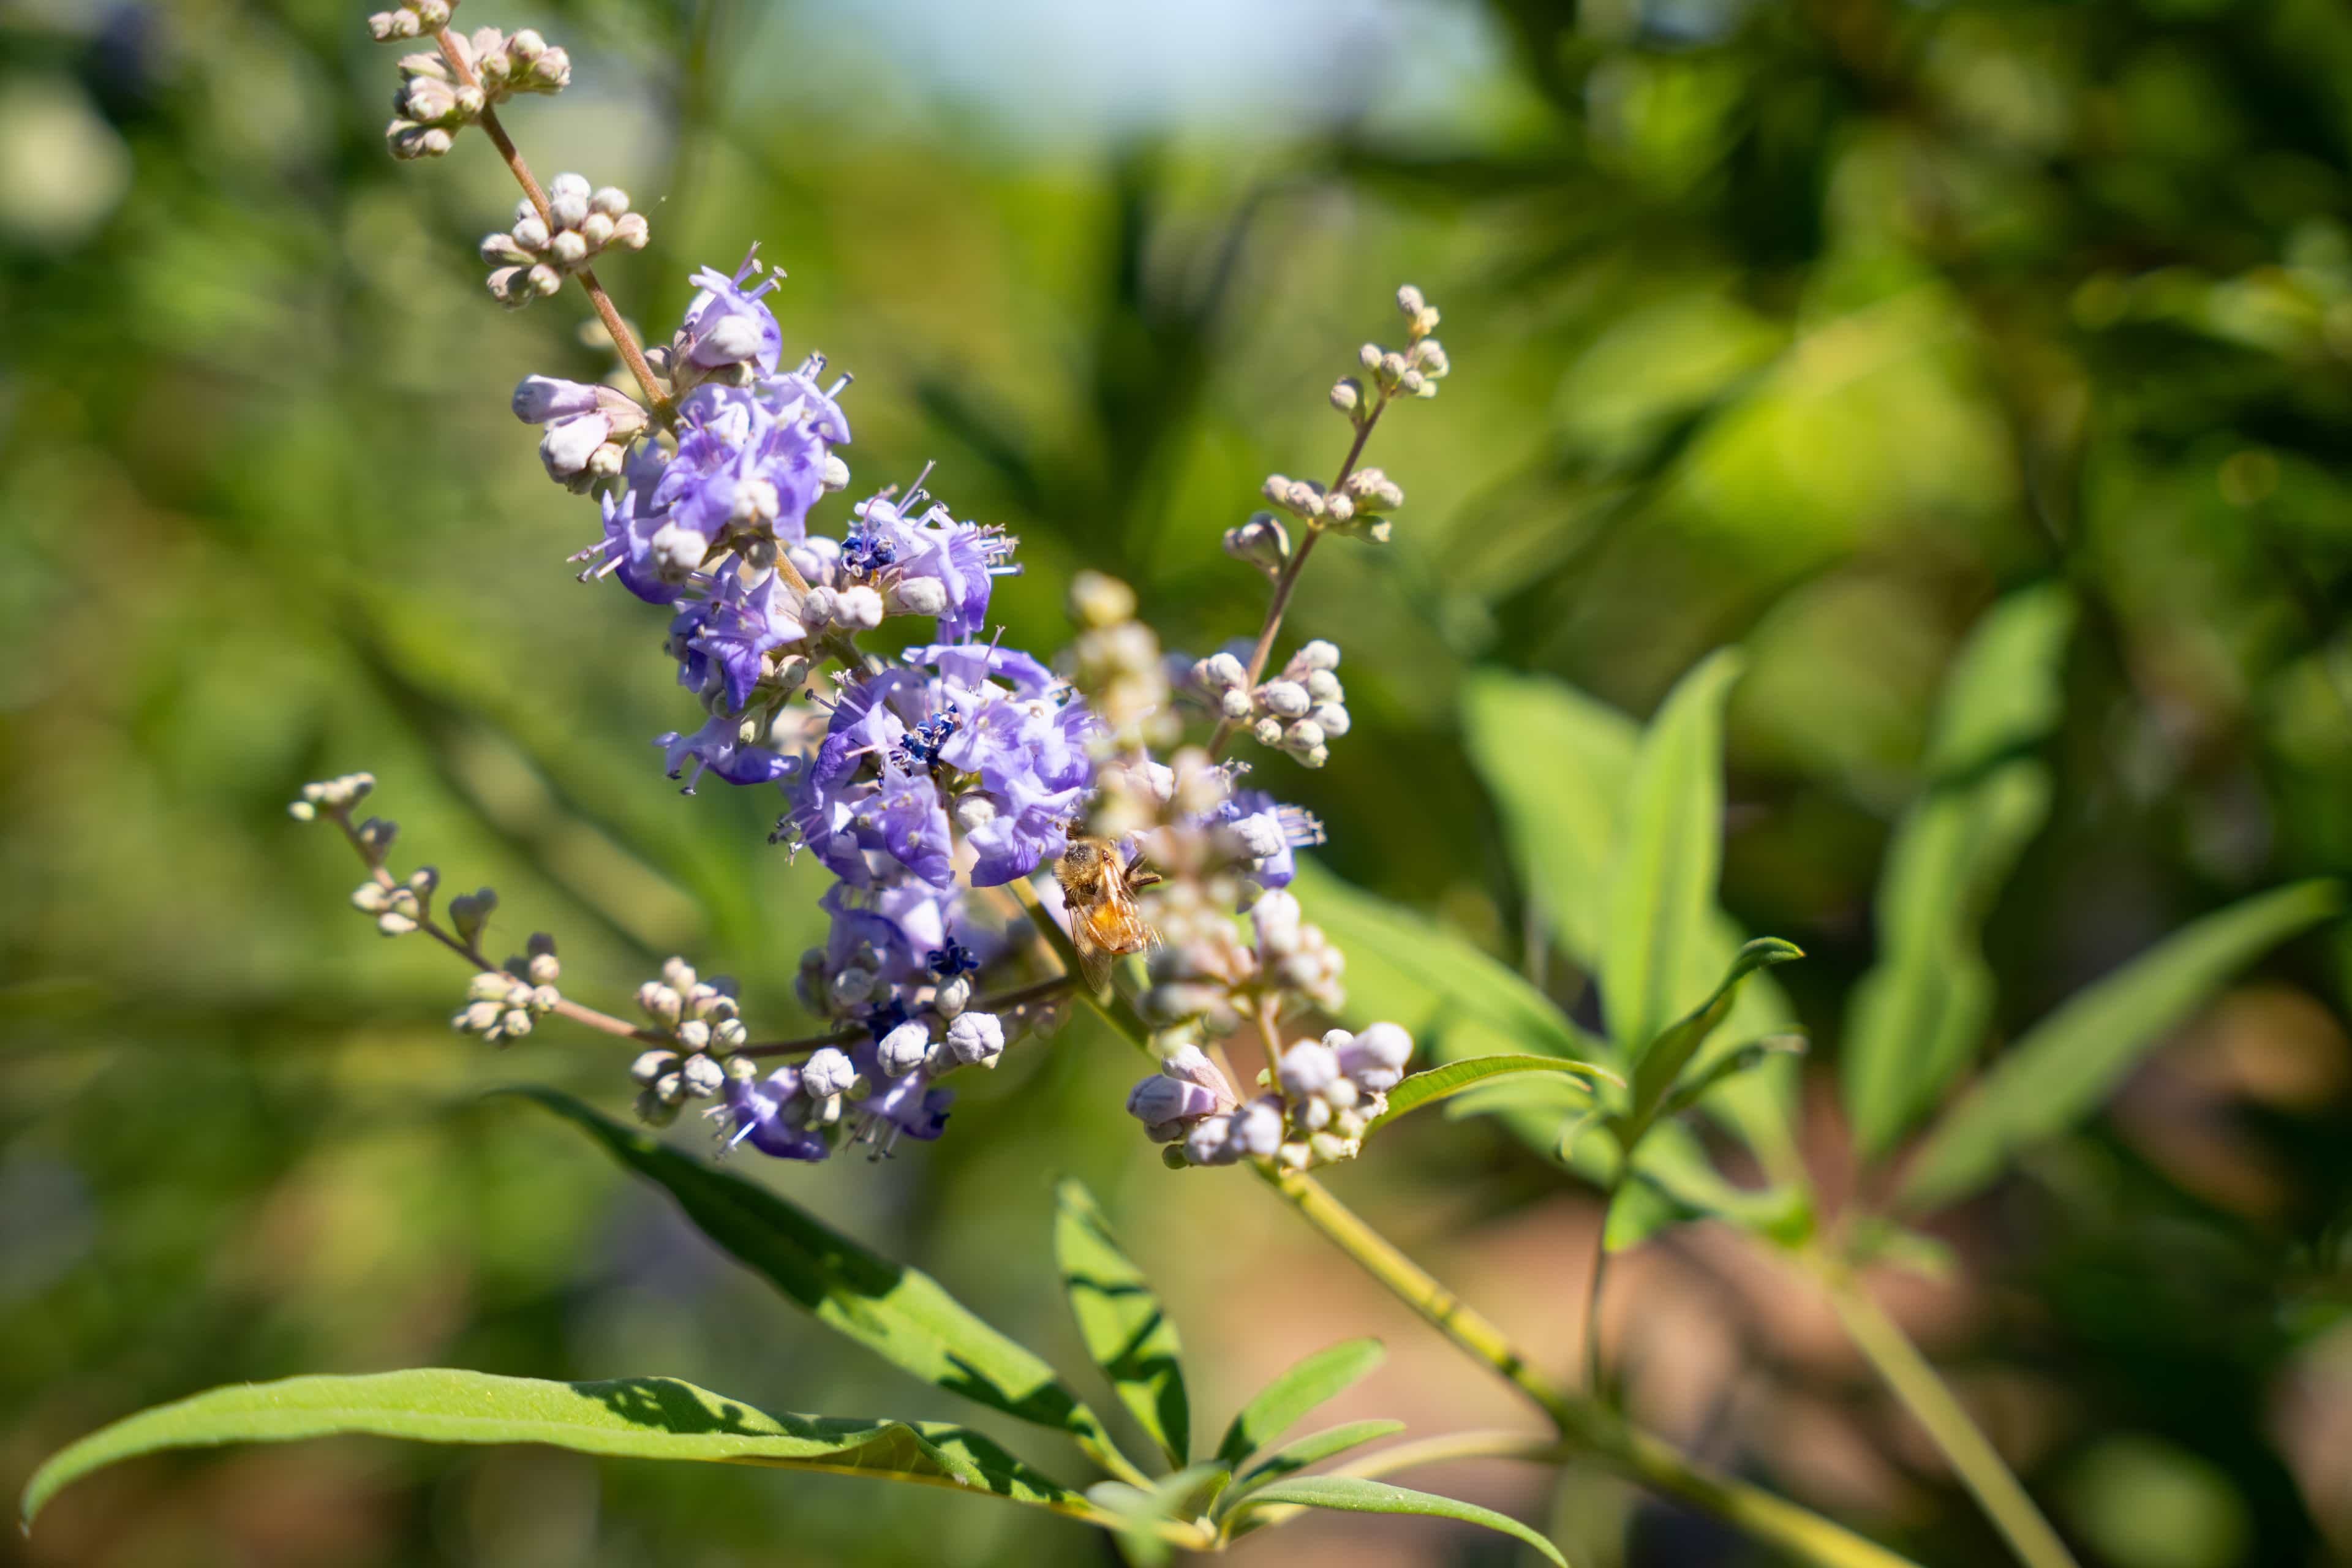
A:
[719,641]
[763,1111]
[719,746]
[739,466]
[932,565]
[627,550]
[1267,833]
[726,324]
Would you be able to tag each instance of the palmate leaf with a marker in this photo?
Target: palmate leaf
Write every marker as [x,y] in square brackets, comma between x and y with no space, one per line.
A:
[1279,1405]
[635,1418]
[2067,1063]
[1122,1321]
[901,1313]
[1353,1494]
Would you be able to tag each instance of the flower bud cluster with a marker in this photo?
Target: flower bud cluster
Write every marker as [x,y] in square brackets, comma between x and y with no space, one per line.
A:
[1332,1089]
[501,1004]
[335,797]
[588,429]
[532,258]
[399,907]
[1298,711]
[704,1022]
[410,19]
[1115,663]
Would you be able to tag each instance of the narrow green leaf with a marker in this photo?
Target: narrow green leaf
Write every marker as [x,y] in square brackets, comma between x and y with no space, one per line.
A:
[1122,1322]
[635,1418]
[1353,1494]
[1922,1010]
[2069,1062]
[1279,1405]
[1291,1457]
[1654,1074]
[901,1313]
[1699,1082]
[2004,688]
[1557,762]
[1442,1082]
[1662,887]
[1413,972]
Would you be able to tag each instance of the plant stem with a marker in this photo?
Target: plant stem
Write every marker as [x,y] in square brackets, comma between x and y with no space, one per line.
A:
[1113,1008]
[624,341]
[1592,1288]
[1288,580]
[1586,1425]
[1933,1405]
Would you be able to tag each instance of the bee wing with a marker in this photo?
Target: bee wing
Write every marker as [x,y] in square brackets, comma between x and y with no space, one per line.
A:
[1094,960]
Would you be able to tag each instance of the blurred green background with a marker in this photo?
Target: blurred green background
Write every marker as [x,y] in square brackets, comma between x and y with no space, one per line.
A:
[1810,325]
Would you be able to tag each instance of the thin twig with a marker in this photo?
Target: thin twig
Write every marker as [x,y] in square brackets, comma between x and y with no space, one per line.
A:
[1288,580]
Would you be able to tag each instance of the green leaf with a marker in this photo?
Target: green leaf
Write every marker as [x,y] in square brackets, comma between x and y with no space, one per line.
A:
[1313,1449]
[1412,971]
[1280,1403]
[1662,887]
[1699,1082]
[1661,1063]
[1352,1494]
[1122,1322]
[901,1313]
[2069,1062]
[1557,762]
[2003,691]
[635,1418]
[1443,1082]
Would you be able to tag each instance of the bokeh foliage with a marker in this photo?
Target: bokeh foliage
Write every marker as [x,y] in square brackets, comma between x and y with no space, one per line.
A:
[1813,327]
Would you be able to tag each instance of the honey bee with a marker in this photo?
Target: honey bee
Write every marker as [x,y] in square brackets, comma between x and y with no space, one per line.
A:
[1098,887]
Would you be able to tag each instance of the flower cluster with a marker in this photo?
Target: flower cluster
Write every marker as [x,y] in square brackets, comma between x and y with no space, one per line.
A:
[1297,712]
[530,259]
[501,1002]
[1324,1094]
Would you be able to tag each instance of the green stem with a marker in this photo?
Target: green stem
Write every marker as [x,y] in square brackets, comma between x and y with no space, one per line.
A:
[1586,1425]
[1931,1402]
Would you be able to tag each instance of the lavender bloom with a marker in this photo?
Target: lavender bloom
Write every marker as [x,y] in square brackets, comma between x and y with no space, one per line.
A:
[930,565]
[763,1112]
[580,419]
[628,550]
[719,641]
[739,466]
[726,324]
[1268,832]
[719,747]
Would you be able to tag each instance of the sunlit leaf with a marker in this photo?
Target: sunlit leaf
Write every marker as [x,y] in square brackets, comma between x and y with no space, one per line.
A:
[1280,1403]
[1661,1063]
[1313,1449]
[1557,762]
[635,1418]
[1124,1327]
[1442,1082]
[1353,1494]
[1662,889]
[899,1312]
[2067,1063]
[1923,1009]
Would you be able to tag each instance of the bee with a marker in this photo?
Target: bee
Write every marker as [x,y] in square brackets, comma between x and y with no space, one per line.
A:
[1098,887]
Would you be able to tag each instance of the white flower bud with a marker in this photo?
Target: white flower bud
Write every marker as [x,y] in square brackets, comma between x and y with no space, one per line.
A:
[1317,655]
[1219,671]
[478,1017]
[973,810]
[1308,1068]
[490,985]
[1276,919]
[1257,1128]
[918,596]
[1332,720]
[531,234]
[1340,507]
[827,1073]
[393,925]
[836,473]
[1410,303]
[609,201]
[1315,1114]
[1323,685]
[852,986]
[543,998]
[670,1087]
[1211,1141]
[729,1035]
[570,249]
[731,338]
[694,1034]
[1346,394]
[858,608]
[1267,732]
[659,1002]
[976,1039]
[1098,599]
[704,1077]
[1304,735]
[951,997]
[1284,698]
[902,1050]
[1235,704]
[630,231]
[370,898]
[567,199]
